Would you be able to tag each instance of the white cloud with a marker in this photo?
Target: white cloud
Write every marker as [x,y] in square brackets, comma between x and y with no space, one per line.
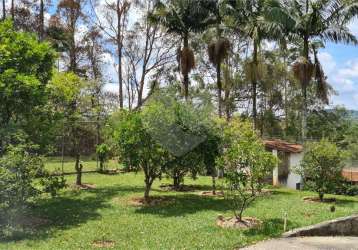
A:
[343,78]
[354,26]
[327,61]
[350,70]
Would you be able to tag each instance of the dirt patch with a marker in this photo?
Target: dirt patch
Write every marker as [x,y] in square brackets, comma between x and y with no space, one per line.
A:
[153,201]
[84,186]
[181,188]
[233,222]
[103,243]
[316,199]
[210,193]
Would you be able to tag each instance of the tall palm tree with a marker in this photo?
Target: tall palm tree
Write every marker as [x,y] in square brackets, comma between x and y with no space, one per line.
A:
[254,20]
[182,17]
[309,20]
[218,49]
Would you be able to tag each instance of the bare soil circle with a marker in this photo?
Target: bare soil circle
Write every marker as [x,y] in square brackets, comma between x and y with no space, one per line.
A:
[103,243]
[211,194]
[233,222]
[181,188]
[152,201]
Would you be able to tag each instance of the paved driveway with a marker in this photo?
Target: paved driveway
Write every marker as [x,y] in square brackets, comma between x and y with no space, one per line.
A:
[308,243]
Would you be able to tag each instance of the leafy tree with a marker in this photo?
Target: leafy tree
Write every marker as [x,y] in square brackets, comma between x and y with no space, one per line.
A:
[182,129]
[245,163]
[25,69]
[69,97]
[333,124]
[212,148]
[350,142]
[137,149]
[69,15]
[321,167]
[102,151]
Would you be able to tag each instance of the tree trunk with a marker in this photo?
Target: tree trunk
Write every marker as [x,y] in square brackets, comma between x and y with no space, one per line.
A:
[78,167]
[72,49]
[304,93]
[41,24]
[219,86]
[119,48]
[101,166]
[176,182]
[321,196]
[12,10]
[254,85]
[213,178]
[148,184]
[3,10]
[186,74]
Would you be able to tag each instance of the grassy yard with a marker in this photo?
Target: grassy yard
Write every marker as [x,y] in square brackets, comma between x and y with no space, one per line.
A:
[55,164]
[77,218]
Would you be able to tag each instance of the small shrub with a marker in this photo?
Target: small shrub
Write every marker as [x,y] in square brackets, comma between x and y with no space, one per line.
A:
[102,151]
[19,170]
[246,163]
[321,167]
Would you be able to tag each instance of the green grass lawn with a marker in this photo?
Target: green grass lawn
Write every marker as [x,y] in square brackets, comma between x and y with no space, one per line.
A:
[55,164]
[77,218]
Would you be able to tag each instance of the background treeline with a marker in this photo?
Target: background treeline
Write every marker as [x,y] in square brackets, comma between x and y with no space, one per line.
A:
[256,59]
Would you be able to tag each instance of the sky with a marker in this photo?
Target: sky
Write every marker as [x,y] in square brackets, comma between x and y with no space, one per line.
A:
[340,63]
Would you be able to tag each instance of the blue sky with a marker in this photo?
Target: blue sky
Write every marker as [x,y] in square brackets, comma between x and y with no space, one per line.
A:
[340,63]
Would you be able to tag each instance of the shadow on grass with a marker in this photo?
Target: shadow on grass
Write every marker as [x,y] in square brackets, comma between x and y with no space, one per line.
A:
[71,209]
[271,227]
[186,204]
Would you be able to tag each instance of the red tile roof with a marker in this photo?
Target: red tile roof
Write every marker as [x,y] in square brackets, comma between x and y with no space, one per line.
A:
[283,146]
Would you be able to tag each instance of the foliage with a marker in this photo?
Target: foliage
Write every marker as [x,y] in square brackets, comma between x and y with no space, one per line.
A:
[321,167]
[333,124]
[103,152]
[350,141]
[137,149]
[246,163]
[71,100]
[18,169]
[25,68]
[182,129]
[346,188]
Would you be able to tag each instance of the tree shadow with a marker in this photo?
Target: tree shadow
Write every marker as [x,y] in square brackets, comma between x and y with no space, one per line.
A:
[71,209]
[184,204]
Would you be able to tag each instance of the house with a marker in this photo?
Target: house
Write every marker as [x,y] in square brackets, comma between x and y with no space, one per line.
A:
[290,156]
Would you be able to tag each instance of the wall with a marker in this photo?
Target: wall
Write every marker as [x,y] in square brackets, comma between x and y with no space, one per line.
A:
[294,178]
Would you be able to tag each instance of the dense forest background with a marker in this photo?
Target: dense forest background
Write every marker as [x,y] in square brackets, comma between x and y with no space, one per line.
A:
[254,59]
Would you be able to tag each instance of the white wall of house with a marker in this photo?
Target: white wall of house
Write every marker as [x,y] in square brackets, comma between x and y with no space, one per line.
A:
[294,178]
